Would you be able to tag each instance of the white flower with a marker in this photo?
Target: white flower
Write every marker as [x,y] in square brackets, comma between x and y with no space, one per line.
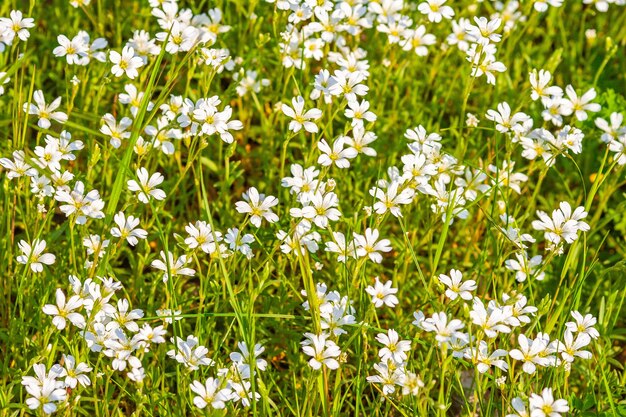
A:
[485,360]
[544,405]
[33,254]
[189,353]
[63,311]
[436,10]
[583,324]
[456,287]
[359,112]
[383,294]
[73,373]
[323,352]
[564,225]
[395,349]
[439,324]
[518,123]
[16,25]
[145,188]
[573,347]
[390,199]
[539,82]
[210,393]
[258,206]
[44,111]
[127,228]
[75,50]
[17,167]
[579,105]
[368,245]
[300,117]
[337,155]
[125,63]
[239,242]
[202,236]
[530,353]
[244,358]
[116,131]
[388,376]
[491,321]
[320,210]
[171,267]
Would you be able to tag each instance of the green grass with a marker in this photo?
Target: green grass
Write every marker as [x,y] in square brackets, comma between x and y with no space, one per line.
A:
[233,299]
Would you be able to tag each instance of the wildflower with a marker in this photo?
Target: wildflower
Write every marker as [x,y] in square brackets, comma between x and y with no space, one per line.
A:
[145,188]
[383,294]
[525,267]
[44,391]
[395,349]
[125,63]
[612,129]
[323,352]
[301,119]
[32,254]
[360,139]
[390,199]
[436,10]
[579,105]
[359,112]
[18,166]
[388,376]
[258,206]
[573,347]
[127,229]
[564,225]
[368,245]
[64,310]
[439,324]
[44,111]
[169,316]
[341,247]
[544,405]
[507,123]
[418,40]
[337,155]
[124,317]
[116,131]
[189,353]
[457,288]
[95,244]
[484,31]
[539,82]
[484,360]
[74,50]
[321,209]
[242,392]
[520,408]
[491,321]
[202,236]
[210,393]
[171,267]
[244,358]
[531,353]
[505,177]
[74,373]
[79,204]
[349,84]
[16,25]
[542,5]
[239,242]
[583,324]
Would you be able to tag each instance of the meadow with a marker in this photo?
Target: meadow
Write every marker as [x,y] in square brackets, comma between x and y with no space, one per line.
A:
[312,208]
